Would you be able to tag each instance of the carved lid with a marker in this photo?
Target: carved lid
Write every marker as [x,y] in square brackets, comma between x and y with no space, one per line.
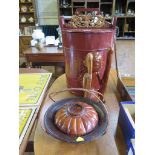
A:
[76,119]
[86,21]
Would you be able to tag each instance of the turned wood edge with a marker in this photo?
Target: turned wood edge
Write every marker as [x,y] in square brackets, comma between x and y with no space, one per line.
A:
[47,102]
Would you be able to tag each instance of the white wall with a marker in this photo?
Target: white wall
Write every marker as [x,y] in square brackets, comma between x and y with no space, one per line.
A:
[47,12]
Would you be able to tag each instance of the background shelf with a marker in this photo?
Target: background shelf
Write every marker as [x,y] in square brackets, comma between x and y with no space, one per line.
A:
[27,14]
[118,8]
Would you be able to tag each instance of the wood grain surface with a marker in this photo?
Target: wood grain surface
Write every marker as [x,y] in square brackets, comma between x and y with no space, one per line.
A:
[45,144]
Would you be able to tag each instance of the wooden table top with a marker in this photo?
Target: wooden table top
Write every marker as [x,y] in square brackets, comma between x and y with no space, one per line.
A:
[32,70]
[105,145]
[44,57]
[45,50]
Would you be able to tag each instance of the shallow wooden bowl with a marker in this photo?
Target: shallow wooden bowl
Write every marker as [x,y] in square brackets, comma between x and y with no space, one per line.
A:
[52,129]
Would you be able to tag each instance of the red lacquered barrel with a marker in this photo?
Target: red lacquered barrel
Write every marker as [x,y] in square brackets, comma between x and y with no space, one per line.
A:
[77,43]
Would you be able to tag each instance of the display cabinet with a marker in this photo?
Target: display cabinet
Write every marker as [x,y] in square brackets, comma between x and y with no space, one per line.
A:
[27,21]
[27,15]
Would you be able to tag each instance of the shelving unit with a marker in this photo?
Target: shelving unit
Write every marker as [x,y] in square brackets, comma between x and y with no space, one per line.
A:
[26,17]
[123,9]
[26,28]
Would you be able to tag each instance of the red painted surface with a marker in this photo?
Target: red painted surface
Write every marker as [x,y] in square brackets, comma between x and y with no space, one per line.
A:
[77,43]
[76,119]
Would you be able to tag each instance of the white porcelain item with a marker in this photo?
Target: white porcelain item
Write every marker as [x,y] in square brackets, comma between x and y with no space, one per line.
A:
[31,19]
[23,19]
[38,34]
[23,8]
[33,42]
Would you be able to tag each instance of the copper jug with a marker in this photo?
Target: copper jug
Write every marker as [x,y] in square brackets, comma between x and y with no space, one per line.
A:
[78,42]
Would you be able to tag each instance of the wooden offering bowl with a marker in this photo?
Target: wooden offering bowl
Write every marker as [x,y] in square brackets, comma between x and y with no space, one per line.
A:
[76,120]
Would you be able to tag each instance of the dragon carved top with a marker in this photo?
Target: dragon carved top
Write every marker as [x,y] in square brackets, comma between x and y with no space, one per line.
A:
[87,21]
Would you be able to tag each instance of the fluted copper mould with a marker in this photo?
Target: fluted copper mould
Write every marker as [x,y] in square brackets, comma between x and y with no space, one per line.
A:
[76,118]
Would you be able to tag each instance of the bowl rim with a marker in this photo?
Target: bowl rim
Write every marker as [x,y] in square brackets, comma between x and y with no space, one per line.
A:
[53,131]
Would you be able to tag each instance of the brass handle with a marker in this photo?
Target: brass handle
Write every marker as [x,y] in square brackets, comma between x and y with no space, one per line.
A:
[94,62]
[89,63]
[93,92]
[87,78]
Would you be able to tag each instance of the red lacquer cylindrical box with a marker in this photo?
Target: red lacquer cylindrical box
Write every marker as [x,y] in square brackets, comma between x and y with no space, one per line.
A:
[77,43]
